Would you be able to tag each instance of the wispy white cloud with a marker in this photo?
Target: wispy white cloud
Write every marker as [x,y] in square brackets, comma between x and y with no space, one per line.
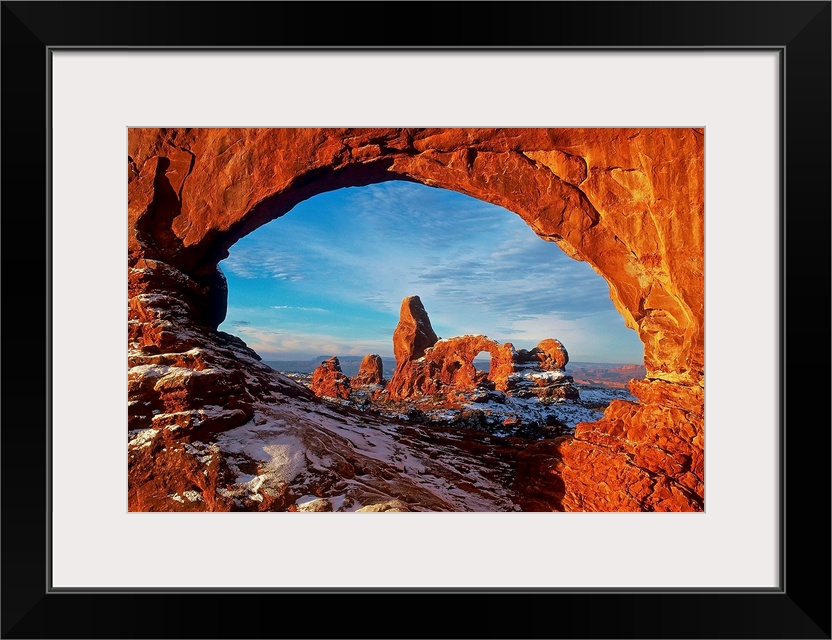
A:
[256,262]
[298,345]
[423,217]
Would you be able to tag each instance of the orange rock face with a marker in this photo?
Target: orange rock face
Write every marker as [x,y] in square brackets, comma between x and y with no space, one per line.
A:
[454,360]
[371,371]
[630,202]
[414,332]
[449,365]
[639,457]
[168,478]
[552,354]
[329,381]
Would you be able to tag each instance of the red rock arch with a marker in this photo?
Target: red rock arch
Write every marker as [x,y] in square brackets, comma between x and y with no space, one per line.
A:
[463,349]
[450,363]
[630,202]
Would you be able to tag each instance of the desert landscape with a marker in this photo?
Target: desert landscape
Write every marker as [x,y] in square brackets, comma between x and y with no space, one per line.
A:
[461,423]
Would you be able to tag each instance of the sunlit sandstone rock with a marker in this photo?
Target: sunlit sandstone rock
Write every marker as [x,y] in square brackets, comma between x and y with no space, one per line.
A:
[329,381]
[370,372]
[446,367]
[414,332]
[630,202]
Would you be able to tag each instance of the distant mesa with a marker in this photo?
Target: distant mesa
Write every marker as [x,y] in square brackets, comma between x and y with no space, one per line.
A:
[613,376]
[427,365]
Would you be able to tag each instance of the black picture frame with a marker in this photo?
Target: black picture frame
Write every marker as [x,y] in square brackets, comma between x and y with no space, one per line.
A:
[799,608]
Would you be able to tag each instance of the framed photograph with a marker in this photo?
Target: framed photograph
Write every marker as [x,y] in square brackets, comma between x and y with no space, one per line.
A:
[655,147]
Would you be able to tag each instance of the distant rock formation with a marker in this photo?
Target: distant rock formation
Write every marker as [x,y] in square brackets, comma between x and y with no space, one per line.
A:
[539,372]
[618,377]
[552,354]
[370,372]
[414,333]
[329,381]
[426,365]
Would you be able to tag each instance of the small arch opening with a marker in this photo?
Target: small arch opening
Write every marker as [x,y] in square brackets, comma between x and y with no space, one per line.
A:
[482,362]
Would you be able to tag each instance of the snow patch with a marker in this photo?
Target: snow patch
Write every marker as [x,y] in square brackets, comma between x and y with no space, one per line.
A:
[316,504]
[204,453]
[547,375]
[337,502]
[155,298]
[198,415]
[287,461]
[143,438]
[280,457]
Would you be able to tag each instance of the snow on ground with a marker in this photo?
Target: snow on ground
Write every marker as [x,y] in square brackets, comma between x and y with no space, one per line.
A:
[196,416]
[297,445]
[604,395]
[154,299]
[142,437]
[278,457]
[589,408]
[305,445]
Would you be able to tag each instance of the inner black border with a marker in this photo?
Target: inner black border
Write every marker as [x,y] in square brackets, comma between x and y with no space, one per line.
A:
[800,31]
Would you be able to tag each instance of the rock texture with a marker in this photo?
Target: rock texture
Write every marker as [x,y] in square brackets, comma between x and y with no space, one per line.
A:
[551,354]
[448,364]
[388,506]
[182,378]
[541,372]
[414,332]
[639,457]
[329,381]
[172,478]
[630,202]
[314,456]
[370,372]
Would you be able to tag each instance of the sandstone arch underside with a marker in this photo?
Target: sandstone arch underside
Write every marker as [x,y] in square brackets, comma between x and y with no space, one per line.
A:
[630,202]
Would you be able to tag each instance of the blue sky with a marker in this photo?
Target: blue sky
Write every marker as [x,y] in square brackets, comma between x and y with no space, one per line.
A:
[328,278]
